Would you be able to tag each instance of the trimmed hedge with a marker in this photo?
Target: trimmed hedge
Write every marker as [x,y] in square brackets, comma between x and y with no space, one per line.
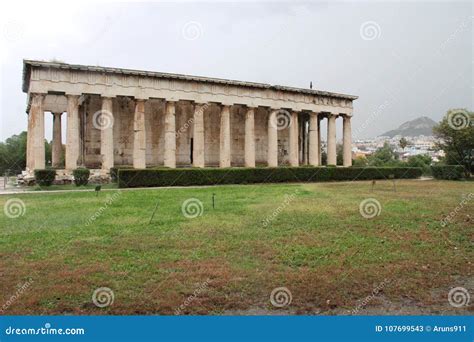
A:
[450,172]
[81,176]
[45,177]
[114,172]
[129,178]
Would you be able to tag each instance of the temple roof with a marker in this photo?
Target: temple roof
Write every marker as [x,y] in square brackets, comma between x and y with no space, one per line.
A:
[27,64]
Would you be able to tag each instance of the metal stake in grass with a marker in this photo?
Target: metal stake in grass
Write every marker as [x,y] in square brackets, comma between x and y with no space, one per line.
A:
[392,177]
[97,190]
[213,201]
[154,211]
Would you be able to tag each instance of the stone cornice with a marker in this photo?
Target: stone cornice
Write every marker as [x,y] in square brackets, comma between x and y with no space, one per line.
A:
[51,77]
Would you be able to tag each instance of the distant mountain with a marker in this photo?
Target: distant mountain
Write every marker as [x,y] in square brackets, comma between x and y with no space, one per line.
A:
[420,126]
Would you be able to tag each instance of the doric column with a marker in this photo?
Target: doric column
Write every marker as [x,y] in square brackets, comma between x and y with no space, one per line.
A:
[57,144]
[272,157]
[107,134]
[319,141]
[35,139]
[293,139]
[314,139]
[139,136]
[170,135]
[198,135]
[224,151]
[72,132]
[250,138]
[332,139]
[347,141]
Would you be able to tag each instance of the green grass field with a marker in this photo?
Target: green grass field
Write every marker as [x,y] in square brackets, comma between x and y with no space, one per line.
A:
[310,238]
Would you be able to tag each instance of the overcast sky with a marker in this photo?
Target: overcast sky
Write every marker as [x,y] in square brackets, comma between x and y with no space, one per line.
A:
[403,60]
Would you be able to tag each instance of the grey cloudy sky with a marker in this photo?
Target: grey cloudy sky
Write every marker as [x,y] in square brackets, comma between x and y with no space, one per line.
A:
[403,60]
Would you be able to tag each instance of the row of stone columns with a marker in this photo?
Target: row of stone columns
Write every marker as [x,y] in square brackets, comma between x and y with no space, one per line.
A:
[35,143]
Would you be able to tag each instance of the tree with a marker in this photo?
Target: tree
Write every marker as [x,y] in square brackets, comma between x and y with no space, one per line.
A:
[421,160]
[383,156]
[13,154]
[457,141]
[339,154]
[360,161]
[403,143]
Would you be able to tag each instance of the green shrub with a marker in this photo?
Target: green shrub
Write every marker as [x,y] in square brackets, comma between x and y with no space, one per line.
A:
[451,172]
[45,177]
[81,176]
[114,172]
[213,176]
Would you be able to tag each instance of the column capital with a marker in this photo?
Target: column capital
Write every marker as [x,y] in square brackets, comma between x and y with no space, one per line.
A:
[37,98]
[34,94]
[141,97]
[73,96]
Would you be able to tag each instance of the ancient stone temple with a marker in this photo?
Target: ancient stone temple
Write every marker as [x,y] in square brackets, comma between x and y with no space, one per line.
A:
[121,117]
